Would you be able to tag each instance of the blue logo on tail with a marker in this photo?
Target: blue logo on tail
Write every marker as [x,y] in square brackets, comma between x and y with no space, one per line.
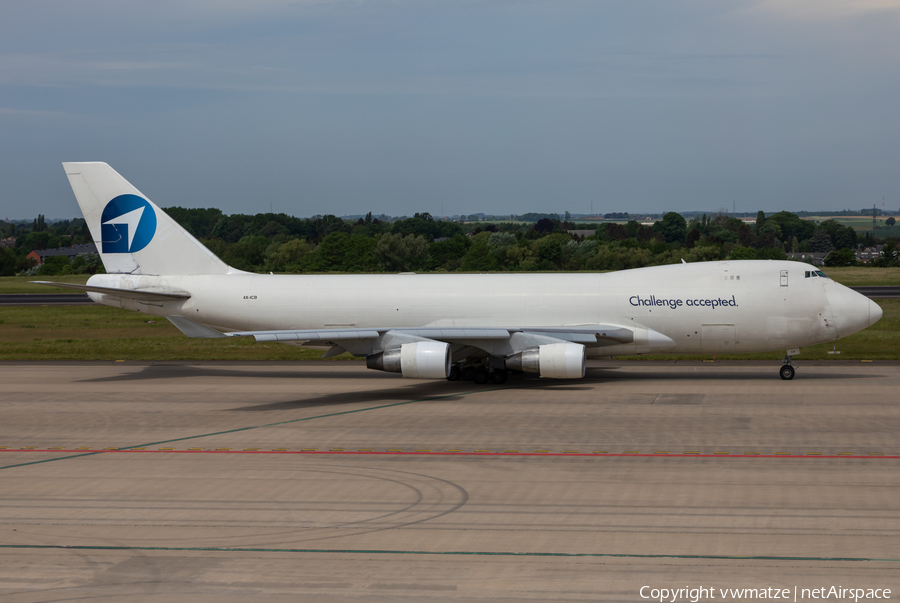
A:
[127,225]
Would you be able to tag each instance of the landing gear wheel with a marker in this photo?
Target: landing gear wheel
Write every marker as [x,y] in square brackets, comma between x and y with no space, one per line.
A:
[468,373]
[787,372]
[482,376]
[455,373]
[498,377]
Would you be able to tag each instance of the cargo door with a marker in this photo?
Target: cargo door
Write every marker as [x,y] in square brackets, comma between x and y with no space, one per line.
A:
[717,338]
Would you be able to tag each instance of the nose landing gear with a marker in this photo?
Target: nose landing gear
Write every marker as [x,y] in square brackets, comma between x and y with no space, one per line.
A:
[787,368]
[787,372]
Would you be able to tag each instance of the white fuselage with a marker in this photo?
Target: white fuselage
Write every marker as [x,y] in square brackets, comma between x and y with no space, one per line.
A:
[709,307]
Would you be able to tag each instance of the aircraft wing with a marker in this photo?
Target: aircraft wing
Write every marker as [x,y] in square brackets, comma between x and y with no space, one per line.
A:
[328,335]
[139,294]
[584,334]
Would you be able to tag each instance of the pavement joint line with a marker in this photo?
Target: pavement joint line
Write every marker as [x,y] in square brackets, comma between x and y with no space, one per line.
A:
[86,547]
[457,452]
[239,429]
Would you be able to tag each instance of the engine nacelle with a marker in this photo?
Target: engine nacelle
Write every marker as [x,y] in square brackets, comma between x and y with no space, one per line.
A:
[552,361]
[419,360]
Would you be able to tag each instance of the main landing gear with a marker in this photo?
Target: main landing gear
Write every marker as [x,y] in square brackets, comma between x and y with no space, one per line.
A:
[479,374]
[787,369]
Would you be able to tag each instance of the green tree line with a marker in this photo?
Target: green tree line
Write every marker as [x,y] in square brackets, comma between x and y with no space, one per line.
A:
[271,242]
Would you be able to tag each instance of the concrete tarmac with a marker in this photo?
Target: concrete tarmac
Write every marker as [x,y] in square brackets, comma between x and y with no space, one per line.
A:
[323,481]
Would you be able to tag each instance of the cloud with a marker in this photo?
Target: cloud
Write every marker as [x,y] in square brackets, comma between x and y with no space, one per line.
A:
[32,112]
[70,68]
[829,9]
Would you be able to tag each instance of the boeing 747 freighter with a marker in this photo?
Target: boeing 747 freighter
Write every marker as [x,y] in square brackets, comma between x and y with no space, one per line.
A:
[452,326]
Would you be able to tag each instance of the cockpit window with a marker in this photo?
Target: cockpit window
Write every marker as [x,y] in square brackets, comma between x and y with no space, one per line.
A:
[820,273]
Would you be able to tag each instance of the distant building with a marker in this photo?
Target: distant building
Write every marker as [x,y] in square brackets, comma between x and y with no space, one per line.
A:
[38,255]
[869,253]
[817,258]
[8,242]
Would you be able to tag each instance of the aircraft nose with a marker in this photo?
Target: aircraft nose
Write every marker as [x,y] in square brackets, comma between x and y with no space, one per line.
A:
[875,312]
[852,311]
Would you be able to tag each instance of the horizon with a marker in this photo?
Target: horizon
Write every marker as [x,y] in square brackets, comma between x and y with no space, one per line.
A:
[590,217]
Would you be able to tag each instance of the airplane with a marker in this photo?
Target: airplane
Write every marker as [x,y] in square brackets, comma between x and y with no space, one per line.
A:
[475,327]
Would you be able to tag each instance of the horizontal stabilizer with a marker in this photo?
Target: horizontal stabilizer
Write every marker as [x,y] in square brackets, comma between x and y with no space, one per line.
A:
[138,294]
[194,329]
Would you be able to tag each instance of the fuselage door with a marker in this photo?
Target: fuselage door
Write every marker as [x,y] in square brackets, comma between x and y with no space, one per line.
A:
[784,278]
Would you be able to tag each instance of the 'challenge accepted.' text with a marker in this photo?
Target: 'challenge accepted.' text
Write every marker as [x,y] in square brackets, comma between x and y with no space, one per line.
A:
[637,300]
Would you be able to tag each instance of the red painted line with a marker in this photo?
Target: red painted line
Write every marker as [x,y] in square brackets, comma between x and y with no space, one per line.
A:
[413,453]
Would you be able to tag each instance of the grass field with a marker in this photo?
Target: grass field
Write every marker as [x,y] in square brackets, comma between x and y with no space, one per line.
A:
[860,276]
[862,224]
[104,333]
[21,284]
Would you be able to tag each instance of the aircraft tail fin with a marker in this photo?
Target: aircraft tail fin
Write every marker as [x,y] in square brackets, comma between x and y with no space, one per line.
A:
[132,234]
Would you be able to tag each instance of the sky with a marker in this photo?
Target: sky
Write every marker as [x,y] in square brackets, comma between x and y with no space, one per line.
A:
[454,107]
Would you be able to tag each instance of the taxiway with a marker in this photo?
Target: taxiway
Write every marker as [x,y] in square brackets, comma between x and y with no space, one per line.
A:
[223,481]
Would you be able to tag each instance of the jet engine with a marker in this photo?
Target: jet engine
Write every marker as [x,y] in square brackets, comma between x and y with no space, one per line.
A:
[552,361]
[419,360]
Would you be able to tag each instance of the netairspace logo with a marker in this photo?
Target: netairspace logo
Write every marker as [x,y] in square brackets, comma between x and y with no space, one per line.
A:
[127,224]
[708,593]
